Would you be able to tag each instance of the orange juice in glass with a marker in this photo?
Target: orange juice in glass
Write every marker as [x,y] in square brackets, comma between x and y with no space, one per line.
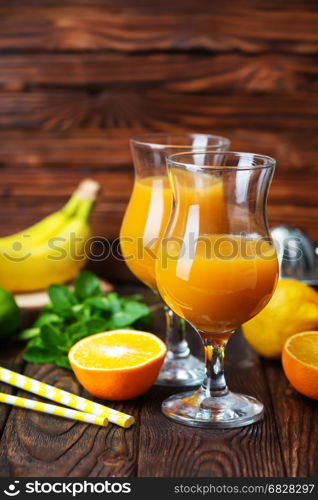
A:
[143,226]
[217,269]
[243,271]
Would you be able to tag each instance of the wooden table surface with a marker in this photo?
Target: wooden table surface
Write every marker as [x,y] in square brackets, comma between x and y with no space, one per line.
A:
[78,78]
[284,444]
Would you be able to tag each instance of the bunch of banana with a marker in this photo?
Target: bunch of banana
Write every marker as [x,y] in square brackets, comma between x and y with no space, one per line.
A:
[54,249]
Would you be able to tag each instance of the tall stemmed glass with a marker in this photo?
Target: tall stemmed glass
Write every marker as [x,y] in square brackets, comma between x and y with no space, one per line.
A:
[217,268]
[143,226]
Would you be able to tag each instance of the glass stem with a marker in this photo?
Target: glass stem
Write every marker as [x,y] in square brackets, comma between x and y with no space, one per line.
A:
[214,383]
[177,345]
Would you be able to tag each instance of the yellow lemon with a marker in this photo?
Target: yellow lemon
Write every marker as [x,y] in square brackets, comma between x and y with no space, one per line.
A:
[292,309]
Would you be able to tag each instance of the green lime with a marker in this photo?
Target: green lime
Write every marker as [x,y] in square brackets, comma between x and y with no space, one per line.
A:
[9,313]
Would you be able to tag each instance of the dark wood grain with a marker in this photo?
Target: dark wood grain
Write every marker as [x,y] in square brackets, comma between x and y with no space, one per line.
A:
[30,197]
[169,449]
[37,445]
[96,148]
[251,27]
[297,423]
[178,72]
[47,446]
[77,79]
[69,112]
[34,444]
[9,358]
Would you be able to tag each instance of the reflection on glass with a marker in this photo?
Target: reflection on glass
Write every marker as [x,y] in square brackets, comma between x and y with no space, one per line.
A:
[144,224]
[217,268]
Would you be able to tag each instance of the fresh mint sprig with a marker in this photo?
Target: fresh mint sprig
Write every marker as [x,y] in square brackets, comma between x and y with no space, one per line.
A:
[74,314]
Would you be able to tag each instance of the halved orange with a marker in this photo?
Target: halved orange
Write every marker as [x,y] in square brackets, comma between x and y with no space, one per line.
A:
[300,363]
[119,364]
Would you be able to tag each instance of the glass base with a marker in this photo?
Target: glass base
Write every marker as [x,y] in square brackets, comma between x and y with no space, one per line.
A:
[181,372]
[229,410]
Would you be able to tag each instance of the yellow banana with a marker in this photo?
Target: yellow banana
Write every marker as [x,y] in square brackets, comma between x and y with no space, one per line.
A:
[43,229]
[58,258]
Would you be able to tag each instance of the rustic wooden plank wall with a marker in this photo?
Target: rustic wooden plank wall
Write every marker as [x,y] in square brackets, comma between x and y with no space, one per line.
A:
[79,77]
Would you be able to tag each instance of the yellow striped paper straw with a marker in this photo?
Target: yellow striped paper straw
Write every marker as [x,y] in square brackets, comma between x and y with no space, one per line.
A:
[64,397]
[59,411]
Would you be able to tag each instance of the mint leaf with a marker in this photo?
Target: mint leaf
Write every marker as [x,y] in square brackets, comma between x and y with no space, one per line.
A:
[54,339]
[115,302]
[131,312]
[87,285]
[119,320]
[101,303]
[71,316]
[62,300]
[135,310]
[79,330]
[96,325]
[47,308]
[63,362]
[35,354]
[76,331]
[82,312]
[36,342]
[46,318]
[143,323]
[29,333]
